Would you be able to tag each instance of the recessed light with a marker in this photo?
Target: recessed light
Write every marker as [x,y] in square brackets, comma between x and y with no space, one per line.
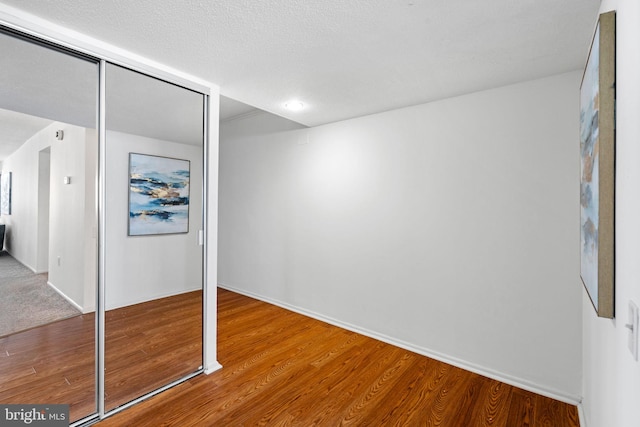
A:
[294,105]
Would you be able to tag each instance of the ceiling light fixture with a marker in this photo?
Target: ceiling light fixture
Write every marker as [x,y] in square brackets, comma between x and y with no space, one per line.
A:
[294,105]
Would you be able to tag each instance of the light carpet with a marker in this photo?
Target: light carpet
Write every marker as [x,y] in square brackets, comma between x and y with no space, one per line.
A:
[26,301]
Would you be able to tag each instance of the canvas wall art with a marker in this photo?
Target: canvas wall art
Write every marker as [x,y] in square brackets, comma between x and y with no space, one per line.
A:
[597,173]
[158,195]
[5,193]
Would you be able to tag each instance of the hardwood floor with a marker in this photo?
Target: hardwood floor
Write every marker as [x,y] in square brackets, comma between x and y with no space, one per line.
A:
[282,368]
[146,346]
[151,344]
[54,363]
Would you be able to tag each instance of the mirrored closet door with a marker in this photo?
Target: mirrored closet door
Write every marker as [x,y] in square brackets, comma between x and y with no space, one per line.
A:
[49,223]
[101,220]
[153,268]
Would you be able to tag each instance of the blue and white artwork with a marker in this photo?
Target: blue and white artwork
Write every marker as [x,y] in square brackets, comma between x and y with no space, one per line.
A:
[589,170]
[158,195]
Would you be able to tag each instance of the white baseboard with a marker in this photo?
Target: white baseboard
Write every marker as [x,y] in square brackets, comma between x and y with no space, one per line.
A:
[24,263]
[69,300]
[212,368]
[581,415]
[463,364]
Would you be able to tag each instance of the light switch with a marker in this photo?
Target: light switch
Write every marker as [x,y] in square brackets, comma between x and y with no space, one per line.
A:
[632,330]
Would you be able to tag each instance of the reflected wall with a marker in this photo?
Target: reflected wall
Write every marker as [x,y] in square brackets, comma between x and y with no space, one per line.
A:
[48,271]
[153,281]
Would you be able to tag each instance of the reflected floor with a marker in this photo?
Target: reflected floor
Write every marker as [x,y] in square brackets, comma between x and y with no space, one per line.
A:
[54,363]
[26,300]
[148,345]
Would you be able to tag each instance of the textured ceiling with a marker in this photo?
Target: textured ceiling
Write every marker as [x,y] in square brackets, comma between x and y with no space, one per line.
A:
[342,58]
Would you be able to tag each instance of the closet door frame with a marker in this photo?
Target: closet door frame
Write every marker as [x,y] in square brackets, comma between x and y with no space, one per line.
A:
[102,282]
[70,41]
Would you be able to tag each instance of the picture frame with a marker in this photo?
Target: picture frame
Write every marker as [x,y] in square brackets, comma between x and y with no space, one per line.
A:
[597,169]
[158,195]
[5,193]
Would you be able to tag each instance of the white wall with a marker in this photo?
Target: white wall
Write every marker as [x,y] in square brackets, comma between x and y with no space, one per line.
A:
[22,224]
[611,376]
[450,228]
[62,216]
[72,209]
[142,268]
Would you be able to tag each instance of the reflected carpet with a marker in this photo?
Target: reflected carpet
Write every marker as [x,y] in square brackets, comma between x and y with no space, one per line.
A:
[26,301]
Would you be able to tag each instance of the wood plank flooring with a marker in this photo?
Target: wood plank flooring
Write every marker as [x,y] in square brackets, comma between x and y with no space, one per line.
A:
[146,346]
[151,344]
[282,368]
[54,363]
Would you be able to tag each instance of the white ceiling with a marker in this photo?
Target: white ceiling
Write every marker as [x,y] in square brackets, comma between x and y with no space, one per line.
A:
[39,86]
[230,109]
[141,105]
[343,58]
[16,128]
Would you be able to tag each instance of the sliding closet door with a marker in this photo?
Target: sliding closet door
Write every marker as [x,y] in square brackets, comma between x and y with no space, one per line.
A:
[48,199]
[153,254]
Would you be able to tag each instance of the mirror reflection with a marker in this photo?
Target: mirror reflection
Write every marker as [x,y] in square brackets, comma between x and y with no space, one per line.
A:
[48,226]
[153,255]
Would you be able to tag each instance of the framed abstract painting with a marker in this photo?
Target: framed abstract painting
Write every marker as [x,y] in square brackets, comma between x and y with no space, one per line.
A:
[597,169]
[158,195]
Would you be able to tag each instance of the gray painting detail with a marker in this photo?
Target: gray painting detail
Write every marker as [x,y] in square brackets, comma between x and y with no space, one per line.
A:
[158,195]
